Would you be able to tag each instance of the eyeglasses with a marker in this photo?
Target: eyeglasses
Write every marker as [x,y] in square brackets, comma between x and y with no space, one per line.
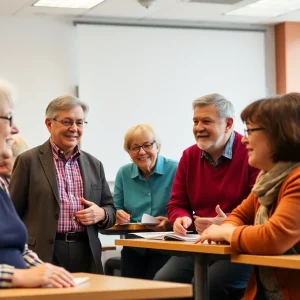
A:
[69,123]
[247,132]
[9,118]
[146,147]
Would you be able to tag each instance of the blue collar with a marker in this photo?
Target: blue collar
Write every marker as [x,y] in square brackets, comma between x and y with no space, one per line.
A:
[227,152]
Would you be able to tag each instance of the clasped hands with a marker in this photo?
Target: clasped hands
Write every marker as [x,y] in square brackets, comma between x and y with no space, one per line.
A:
[90,215]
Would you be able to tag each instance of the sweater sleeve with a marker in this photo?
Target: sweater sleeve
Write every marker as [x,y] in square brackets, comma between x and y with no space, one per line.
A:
[282,230]
[179,205]
[118,191]
[6,275]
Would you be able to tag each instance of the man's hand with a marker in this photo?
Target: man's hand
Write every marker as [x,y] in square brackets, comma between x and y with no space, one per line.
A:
[164,224]
[122,216]
[181,225]
[91,215]
[202,223]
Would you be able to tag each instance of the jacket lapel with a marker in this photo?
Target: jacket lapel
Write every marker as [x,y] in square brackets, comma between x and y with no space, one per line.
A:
[46,159]
[85,175]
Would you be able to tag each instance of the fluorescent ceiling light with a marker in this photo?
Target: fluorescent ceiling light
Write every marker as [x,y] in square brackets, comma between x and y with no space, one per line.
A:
[266,8]
[68,3]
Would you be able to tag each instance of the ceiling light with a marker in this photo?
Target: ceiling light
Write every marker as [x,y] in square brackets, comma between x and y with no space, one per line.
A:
[68,3]
[266,8]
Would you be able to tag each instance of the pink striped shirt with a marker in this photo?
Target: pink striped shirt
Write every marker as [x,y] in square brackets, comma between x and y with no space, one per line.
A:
[70,189]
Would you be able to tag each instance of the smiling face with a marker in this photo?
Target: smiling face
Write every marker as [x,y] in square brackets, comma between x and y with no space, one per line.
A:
[6,131]
[66,137]
[144,159]
[259,148]
[211,132]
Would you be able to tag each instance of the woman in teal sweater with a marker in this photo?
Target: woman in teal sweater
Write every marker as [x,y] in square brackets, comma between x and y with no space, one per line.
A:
[143,186]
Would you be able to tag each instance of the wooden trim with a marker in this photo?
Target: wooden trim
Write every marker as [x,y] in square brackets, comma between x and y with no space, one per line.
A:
[279,261]
[175,246]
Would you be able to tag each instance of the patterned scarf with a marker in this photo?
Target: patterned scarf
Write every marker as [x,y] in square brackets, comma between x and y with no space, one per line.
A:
[266,189]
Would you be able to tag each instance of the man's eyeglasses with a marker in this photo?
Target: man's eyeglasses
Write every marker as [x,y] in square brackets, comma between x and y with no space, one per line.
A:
[9,118]
[69,123]
[247,132]
[146,147]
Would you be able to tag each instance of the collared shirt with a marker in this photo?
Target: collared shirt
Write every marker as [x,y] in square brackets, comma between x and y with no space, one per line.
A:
[70,189]
[227,152]
[137,196]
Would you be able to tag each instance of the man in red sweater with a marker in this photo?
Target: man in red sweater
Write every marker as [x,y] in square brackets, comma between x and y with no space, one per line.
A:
[213,177]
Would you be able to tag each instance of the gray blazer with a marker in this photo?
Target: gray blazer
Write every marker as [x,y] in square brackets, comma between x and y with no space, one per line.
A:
[34,192]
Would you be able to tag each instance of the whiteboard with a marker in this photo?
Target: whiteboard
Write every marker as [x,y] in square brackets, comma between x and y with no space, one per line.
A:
[132,75]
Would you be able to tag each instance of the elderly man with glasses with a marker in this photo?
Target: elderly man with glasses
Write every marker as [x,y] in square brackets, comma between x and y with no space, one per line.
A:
[61,194]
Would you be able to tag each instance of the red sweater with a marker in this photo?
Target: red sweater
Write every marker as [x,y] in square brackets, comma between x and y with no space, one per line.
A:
[199,187]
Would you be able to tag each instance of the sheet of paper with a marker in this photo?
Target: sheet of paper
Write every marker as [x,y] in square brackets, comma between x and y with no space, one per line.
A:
[190,237]
[149,220]
[80,280]
[151,235]
[129,223]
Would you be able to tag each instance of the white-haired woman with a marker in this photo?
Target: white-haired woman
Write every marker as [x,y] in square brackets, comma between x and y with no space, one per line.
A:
[143,186]
[19,267]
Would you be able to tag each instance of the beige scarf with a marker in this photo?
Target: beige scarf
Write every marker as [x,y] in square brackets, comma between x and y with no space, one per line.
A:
[266,189]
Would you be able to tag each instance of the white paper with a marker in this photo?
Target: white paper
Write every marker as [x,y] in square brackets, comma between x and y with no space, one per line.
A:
[151,235]
[189,237]
[80,280]
[149,220]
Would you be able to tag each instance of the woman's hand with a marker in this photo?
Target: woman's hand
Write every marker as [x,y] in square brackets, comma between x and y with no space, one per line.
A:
[164,224]
[216,233]
[44,274]
[122,216]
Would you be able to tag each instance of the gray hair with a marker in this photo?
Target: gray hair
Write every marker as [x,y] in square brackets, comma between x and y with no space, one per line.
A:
[140,129]
[224,107]
[7,92]
[64,103]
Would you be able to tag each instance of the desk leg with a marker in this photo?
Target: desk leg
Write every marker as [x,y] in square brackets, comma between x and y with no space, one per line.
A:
[201,262]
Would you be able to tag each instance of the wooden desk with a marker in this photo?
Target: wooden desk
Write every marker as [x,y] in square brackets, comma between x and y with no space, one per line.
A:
[103,287]
[278,261]
[110,247]
[201,255]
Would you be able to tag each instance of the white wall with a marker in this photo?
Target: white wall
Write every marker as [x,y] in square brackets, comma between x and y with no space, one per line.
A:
[38,55]
[151,75]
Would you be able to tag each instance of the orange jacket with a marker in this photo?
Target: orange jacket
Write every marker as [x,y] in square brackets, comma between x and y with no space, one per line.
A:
[280,233]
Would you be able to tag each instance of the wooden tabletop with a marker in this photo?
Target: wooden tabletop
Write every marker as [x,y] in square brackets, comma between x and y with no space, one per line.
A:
[103,287]
[129,227]
[175,246]
[108,247]
[279,261]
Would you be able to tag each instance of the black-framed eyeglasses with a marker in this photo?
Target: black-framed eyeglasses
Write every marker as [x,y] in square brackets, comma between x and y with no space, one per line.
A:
[9,118]
[69,123]
[146,147]
[247,132]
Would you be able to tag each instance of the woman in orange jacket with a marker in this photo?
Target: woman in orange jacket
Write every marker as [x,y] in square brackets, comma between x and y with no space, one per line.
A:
[267,222]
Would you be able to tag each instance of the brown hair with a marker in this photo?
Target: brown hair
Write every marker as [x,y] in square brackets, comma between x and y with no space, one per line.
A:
[280,117]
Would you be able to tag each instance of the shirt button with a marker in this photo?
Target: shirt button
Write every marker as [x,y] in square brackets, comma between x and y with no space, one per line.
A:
[149,194]
[51,241]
